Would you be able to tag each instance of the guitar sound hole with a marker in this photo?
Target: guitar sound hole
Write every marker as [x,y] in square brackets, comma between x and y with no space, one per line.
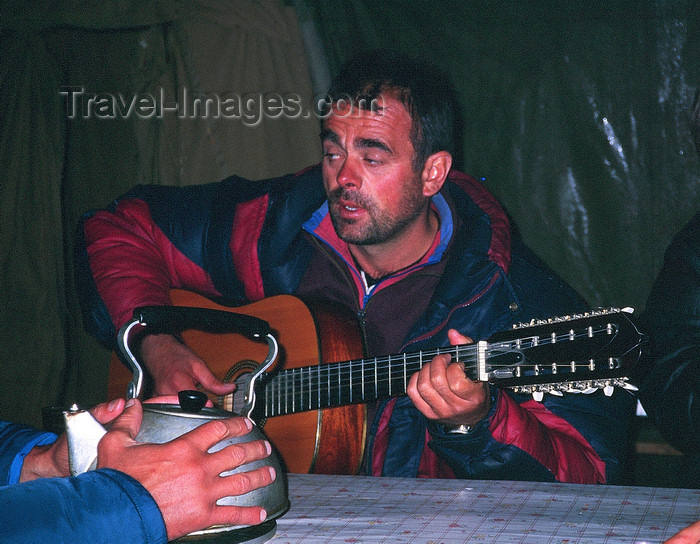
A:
[238,374]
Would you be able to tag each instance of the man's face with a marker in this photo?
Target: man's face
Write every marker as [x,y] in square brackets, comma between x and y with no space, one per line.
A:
[374,194]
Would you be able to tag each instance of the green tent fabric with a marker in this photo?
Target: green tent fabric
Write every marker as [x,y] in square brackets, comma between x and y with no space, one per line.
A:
[575,115]
[74,136]
[32,259]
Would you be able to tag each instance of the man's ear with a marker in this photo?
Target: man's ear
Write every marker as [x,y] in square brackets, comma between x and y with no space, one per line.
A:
[435,171]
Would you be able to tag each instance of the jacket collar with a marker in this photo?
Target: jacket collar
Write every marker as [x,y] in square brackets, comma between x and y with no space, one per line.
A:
[320,226]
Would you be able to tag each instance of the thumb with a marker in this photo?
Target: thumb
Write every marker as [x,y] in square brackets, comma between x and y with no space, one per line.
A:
[456,338]
[129,422]
[209,382]
[106,412]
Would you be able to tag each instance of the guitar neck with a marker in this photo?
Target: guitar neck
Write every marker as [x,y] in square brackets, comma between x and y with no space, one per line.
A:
[572,355]
[348,382]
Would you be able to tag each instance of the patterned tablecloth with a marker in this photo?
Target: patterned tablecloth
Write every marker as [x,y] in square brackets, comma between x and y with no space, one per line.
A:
[356,509]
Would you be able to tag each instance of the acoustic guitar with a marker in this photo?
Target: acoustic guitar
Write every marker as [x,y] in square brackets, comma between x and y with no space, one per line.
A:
[312,404]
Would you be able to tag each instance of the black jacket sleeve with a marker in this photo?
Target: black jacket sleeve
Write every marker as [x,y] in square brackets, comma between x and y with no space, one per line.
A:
[670,390]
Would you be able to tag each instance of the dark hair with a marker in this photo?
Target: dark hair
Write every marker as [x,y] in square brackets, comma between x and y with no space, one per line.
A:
[422,88]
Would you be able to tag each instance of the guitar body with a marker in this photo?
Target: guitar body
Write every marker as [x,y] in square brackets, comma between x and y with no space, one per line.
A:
[328,441]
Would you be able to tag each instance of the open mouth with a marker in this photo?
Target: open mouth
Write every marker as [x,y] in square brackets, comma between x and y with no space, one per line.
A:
[349,209]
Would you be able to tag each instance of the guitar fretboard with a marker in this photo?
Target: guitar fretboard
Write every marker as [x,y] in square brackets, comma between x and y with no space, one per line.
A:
[350,382]
[366,380]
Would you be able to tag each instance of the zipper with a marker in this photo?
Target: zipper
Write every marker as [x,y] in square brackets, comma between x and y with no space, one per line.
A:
[340,263]
[362,323]
[349,271]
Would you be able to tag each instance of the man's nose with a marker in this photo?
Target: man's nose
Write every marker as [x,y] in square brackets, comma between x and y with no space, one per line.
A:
[348,175]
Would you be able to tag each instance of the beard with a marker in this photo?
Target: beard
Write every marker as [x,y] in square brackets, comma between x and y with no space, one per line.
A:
[378,225]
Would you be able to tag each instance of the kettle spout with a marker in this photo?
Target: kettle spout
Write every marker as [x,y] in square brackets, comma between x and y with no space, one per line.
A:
[84,433]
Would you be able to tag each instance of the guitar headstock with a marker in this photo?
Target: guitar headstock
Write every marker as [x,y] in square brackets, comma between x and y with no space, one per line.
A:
[580,353]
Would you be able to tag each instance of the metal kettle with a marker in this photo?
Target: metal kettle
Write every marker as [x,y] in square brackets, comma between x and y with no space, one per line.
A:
[164,422]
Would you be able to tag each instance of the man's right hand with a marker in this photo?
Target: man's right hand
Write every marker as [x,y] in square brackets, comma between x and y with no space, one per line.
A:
[174,367]
[183,477]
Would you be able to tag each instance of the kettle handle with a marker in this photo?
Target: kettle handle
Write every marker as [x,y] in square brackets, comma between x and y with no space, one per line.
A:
[174,319]
[83,433]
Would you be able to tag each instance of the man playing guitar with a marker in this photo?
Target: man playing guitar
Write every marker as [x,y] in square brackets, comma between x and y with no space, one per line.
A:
[421,254]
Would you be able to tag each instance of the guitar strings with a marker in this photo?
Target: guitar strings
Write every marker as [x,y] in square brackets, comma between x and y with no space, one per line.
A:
[416,360]
[320,385]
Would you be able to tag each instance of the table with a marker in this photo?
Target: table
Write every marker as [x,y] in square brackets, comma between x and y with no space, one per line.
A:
[358,509]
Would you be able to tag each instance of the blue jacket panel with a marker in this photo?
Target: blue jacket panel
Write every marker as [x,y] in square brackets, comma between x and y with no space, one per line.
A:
[15,442]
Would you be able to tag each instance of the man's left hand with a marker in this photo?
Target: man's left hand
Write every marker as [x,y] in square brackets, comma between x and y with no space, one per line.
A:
[442,392]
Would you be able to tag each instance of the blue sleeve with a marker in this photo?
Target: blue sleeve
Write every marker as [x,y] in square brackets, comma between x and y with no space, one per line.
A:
[101,506]
[15,442]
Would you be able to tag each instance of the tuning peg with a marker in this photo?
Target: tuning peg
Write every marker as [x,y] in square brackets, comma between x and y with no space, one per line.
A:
[608,390]
[589,390]
[629,386]
[538,395]
[556,392]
